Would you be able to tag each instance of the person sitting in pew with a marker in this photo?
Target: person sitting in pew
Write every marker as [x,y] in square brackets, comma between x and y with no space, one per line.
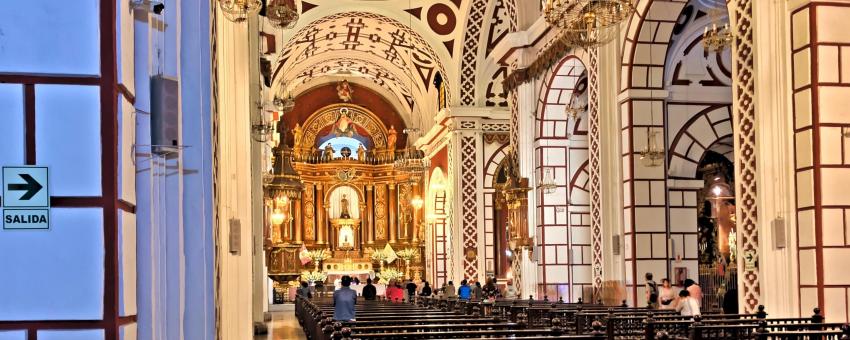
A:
[426,289]
[394,292]
[688,306]
[369,291]
[304,291]
[510,291]
[477,291]
[666,295]
[464,292]
[344,300]
[449,290]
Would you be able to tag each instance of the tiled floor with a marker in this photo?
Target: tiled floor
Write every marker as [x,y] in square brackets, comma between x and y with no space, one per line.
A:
[284,326]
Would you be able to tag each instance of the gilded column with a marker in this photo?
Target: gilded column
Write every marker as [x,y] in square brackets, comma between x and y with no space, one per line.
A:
[368,220]
[380,207]
[298,225]
[322,225]
[415,224]
[393,202]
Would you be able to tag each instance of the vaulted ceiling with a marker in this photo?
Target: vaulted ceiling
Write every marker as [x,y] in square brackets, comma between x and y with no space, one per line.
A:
[397,48]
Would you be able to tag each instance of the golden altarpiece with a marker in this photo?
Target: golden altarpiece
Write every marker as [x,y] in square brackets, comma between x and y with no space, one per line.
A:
[351,200]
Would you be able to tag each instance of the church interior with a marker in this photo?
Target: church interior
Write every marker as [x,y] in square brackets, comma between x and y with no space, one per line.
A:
[523,169]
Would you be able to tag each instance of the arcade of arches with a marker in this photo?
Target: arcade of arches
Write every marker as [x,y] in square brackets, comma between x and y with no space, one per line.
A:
[435,140]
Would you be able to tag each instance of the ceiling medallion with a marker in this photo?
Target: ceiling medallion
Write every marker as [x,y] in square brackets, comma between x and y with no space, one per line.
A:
[587,23]
[239,10]
[282,13]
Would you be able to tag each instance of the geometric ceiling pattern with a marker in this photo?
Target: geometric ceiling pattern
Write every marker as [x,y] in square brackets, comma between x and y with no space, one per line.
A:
[399,46]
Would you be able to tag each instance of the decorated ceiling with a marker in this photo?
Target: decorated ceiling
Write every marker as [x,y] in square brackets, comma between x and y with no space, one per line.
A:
[397,48]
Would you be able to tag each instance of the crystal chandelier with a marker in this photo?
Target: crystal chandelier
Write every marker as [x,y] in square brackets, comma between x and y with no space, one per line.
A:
[239,10]
[586,23]
[717,39]
[282,13]
[547,185]
[412,161]
[284,104]
[651,155]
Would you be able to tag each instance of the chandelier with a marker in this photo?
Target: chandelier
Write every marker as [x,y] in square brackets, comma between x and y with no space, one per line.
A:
[651,155]
[547,185]
[413,163]
[572,113]
[717,39]
[284,104]
[239,10]
[586,23]
[282,13]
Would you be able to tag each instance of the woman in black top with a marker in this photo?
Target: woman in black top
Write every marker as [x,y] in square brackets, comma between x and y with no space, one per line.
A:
[426,289]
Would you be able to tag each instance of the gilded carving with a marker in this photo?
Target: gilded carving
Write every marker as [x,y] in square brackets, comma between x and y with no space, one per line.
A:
[309,215]
[354,114]
[380,212]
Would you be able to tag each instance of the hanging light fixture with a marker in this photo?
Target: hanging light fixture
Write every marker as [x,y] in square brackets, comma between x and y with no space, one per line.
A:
[239,10]
[718,37]
[651,155]
[282,13]
[547,185]
[417,202]
[412,161]
[587,23]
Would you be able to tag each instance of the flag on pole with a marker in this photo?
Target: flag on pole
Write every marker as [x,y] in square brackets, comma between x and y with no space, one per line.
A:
[388,250]
[304,255]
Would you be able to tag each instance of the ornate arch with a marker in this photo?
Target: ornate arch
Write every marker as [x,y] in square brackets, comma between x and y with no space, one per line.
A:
[567,84]
[491,170]
[580,182]
[328,115]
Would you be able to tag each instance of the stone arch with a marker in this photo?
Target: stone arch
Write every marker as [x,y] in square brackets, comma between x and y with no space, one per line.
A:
[580,185]
[709,129]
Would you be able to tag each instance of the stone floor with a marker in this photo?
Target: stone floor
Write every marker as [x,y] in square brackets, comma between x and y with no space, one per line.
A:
[284,326]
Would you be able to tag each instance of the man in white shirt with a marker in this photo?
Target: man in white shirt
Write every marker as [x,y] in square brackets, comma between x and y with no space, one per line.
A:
[687,306]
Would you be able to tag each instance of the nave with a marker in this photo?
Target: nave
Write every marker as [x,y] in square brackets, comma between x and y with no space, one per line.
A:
[450,318]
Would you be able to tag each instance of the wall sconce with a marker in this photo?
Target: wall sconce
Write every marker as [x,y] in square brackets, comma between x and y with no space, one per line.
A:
[417,202]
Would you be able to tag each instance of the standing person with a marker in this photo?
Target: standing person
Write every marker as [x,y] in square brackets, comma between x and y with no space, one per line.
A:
[304,291]
[695,291]
[411,290]
[369,291]
[477,292]
[491,291]
[687,306]
[426,289]
[464,291]
[666,295]
[651,292]
[344,300]
[320,288]
[449,290]
[510,291]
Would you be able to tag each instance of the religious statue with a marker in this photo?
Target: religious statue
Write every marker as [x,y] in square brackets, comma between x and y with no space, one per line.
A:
[392,135]
[361,153]
[297,134]
[344,91]
[344,127]
[329,152]
[344,207]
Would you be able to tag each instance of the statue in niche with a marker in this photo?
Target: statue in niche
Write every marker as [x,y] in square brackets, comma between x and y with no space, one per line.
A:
[344,91]
[297,134]
[329,152]
[361,153]
[344,207]
[392,135]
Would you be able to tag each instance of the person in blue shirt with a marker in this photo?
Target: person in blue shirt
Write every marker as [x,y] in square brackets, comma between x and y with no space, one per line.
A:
[464,291]
[344,300]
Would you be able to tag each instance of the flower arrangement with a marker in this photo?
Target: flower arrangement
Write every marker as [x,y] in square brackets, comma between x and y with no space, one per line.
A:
[319,255]
[314,276]
[408,254]
[388,274]
[379,255]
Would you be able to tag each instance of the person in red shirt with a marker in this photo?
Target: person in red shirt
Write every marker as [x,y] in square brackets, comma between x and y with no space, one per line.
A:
[394,293]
